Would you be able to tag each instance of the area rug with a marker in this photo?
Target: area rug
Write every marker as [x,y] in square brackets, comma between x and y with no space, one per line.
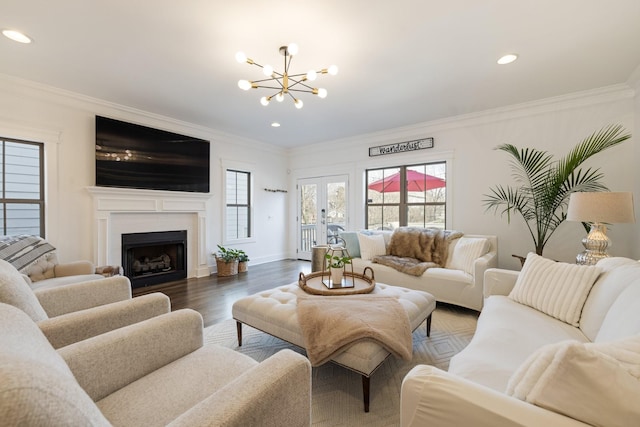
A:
[337,392]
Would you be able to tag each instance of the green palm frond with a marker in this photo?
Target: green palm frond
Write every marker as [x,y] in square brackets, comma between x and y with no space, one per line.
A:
[545,185]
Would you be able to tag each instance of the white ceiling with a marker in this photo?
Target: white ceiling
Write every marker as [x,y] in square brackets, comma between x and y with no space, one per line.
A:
[401,62]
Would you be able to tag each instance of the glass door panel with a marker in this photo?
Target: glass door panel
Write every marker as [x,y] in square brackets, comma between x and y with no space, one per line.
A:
[308,203]
[336,209]
[322,214]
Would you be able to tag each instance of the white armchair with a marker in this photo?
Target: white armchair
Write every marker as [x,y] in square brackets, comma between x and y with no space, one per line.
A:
[71,313]
[152,373]
[37,260]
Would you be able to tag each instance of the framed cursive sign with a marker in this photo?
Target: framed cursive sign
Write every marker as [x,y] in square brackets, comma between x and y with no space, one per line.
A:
[401,147]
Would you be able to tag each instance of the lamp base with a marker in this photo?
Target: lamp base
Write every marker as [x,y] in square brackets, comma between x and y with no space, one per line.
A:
[595,244]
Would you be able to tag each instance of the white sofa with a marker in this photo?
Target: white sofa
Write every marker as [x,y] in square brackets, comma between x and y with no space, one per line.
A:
[459,282]
[525,367]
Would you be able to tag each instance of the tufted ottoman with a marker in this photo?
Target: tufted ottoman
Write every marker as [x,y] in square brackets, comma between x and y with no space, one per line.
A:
[274,312]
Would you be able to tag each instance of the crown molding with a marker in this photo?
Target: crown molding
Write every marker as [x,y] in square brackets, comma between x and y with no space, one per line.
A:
[548,105]
[123,112]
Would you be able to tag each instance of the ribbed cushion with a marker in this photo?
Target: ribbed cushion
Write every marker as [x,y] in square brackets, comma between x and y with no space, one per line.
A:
[15,291]
[466,251]
[555,288]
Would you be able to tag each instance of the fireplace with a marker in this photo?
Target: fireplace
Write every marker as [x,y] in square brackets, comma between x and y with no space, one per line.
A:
[154,257]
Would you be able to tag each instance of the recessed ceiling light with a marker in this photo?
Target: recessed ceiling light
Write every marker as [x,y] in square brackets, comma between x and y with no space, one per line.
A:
[275,125]
[16,36]
[507,59]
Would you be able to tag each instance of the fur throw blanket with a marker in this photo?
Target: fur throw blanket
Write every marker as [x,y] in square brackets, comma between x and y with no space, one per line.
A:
[331,324]
[413,250]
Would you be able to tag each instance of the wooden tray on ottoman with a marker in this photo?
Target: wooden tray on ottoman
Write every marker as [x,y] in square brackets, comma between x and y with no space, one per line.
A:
[362,284]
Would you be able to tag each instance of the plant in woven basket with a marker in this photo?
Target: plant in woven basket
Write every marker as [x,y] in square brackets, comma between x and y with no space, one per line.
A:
[226,255]
[241,256]
[226,261]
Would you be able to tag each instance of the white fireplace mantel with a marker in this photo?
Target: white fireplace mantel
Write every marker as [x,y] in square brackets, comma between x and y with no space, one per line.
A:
[120,210]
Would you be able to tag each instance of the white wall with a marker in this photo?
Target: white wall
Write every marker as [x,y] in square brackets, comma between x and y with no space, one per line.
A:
[555,125]
[65,122]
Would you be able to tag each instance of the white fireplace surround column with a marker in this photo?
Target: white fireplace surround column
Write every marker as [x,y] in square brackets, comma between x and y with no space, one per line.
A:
[119,211]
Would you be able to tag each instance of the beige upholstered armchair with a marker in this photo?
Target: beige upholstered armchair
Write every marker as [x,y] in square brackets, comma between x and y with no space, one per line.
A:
[38,261]
[152,373]
[47,272]
[77,311]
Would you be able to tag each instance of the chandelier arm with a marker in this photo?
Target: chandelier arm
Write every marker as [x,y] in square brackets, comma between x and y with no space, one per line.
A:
[300,90]
[255,63]
[300,82]
[280,75]
[301,74]
[272,78]
[267,87]
[266,80]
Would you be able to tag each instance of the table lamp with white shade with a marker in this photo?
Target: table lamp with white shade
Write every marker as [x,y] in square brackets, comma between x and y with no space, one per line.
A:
[599,208]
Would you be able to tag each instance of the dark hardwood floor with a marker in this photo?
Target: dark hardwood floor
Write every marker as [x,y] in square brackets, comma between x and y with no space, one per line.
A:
[213,296]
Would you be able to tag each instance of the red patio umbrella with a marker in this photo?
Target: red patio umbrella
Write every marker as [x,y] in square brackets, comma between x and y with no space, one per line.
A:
[416,181]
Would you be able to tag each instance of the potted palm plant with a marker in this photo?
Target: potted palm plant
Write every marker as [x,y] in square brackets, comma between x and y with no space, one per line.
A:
[544,185]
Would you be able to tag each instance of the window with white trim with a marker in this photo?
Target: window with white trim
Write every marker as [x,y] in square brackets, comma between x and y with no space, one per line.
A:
[238,205]
[21,187]
[413,195]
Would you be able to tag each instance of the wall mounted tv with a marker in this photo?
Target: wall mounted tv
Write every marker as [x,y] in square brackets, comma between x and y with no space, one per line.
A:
[134,156]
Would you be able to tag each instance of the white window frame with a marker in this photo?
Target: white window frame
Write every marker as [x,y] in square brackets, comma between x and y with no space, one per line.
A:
[40,201]
[447,156]
[241,167]
[52,140]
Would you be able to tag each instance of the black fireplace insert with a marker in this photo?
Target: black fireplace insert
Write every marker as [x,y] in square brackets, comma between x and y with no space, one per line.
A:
[155,257]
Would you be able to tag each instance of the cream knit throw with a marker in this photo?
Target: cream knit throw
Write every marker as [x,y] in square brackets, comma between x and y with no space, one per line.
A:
[331,324]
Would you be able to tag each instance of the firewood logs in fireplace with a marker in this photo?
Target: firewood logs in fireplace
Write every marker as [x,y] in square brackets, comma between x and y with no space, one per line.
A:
[146,265]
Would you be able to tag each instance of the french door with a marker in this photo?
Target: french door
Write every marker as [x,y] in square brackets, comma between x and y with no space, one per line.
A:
[322,211]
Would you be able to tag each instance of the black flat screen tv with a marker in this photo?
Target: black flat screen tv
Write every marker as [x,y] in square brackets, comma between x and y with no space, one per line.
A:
[135,156]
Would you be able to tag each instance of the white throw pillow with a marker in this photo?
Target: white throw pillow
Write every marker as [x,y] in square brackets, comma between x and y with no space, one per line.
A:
[371,246]
[623,318]
[617,274]
[525,378]
[597,384]
[554,288]
[466,251]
